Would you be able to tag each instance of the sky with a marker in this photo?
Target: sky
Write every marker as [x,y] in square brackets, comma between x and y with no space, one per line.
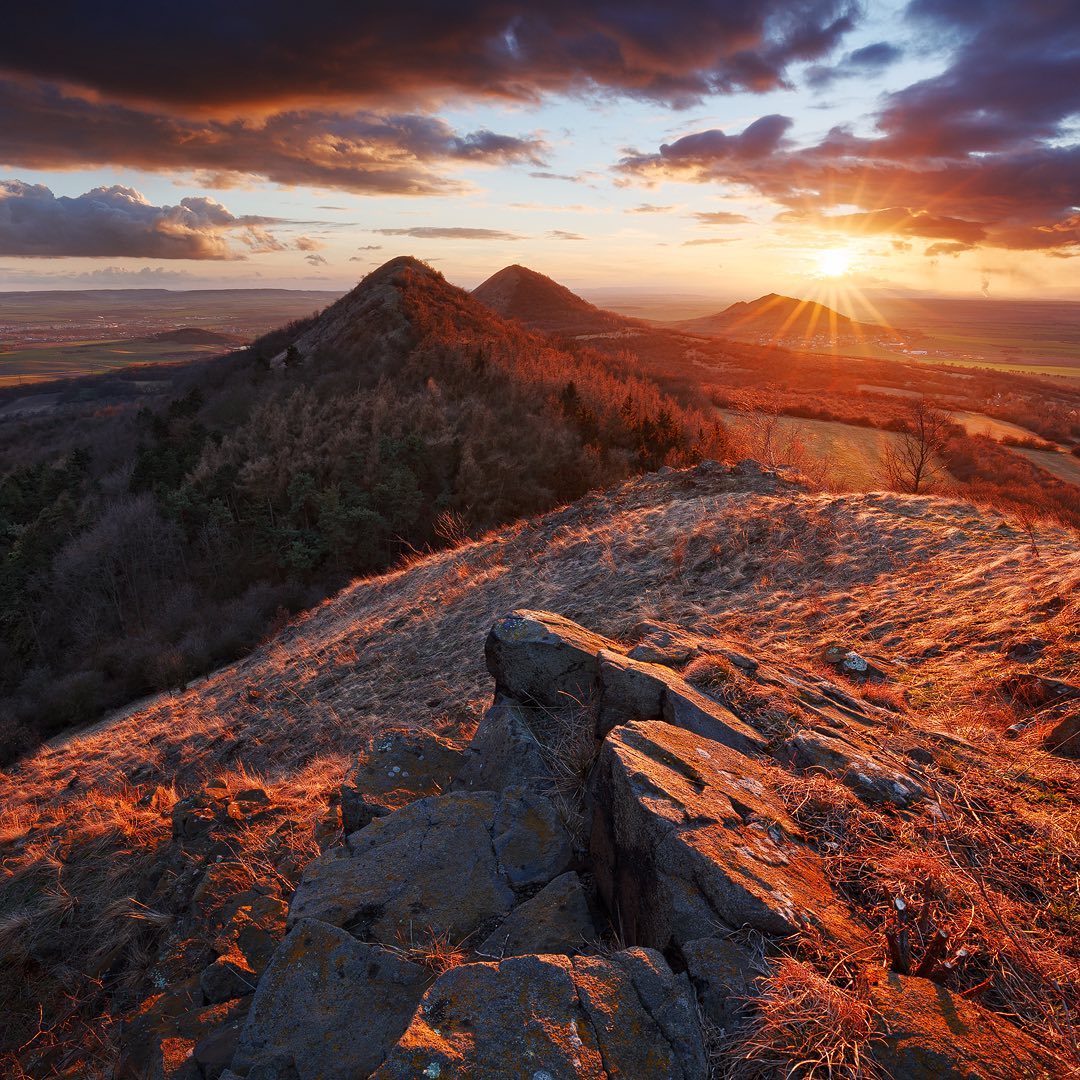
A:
[725,148]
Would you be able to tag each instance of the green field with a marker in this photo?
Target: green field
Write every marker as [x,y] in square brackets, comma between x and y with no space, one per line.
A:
[89,357]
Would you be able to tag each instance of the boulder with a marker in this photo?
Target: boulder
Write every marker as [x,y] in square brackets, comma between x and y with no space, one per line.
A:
[1064,737]
[687,840]
[446,865]
[555,920]
[662,644]
[328,1007]
[543,659]
[723,975]
[553,1018]
[1029,693]
[630,690]
[510,748]
[395,768]
[867,776]
[932,1034]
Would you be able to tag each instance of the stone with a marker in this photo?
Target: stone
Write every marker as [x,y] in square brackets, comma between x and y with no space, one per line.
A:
[868,777]
[723,976]
[686,840]
[553,1018]
[328,1007]
[506,750]
[555,920]
[1029,693]
[541,658]
[929,1033]
[630,690]
[1024,652]
[162,1038]
[394,768]
[448,865]
[226,979]
[1064,737]
[529,839]
[662,644]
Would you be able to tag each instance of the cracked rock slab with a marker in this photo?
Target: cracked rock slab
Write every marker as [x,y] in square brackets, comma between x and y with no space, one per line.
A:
[870,778]
[395,768]
[328,1007]
[543,658]
[631,690]
[553,1018]
[555,920]
[687,840]
[444,865]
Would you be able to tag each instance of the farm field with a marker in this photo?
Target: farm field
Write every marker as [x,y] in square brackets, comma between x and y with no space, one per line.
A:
[849,456]
[979,424]
[1064,466]
[20,366]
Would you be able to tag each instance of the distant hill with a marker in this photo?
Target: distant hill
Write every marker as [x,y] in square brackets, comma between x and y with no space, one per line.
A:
[535,301]
[781,318]
[263,479]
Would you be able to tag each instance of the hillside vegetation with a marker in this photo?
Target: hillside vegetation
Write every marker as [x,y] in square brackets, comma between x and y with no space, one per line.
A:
[114,890]
[140,547]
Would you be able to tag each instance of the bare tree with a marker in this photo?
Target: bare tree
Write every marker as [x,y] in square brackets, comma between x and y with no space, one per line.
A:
[913,460]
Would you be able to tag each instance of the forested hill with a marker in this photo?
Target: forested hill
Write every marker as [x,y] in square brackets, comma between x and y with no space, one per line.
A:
[139,547]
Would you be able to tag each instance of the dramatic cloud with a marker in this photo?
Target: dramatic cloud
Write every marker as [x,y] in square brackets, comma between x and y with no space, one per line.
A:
[432,232]
[707,240]
[703,150]
[278,53]
[982,155]
[868,60]
[118,221]
[45,128]
[562,234]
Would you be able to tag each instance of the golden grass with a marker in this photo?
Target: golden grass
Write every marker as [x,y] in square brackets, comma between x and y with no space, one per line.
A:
[936,585]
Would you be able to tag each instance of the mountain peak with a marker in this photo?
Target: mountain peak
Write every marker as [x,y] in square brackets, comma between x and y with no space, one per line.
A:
[529,297]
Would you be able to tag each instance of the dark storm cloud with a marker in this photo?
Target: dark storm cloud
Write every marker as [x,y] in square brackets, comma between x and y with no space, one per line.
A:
[982,154]
[118,221]
[45,128]
[433,232]
[277,52]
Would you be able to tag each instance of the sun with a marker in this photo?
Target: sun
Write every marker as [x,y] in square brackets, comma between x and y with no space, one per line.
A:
[834,263]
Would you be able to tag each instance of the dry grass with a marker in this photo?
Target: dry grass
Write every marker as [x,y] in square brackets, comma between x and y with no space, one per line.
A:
[806,1027]
[937,586]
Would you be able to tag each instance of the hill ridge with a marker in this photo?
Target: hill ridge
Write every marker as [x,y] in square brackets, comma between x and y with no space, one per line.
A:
[543,304]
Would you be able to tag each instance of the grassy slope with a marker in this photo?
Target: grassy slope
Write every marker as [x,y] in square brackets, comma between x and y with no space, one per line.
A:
[939,587]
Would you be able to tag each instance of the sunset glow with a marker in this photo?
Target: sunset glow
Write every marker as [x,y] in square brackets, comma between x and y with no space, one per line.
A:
[599,144]
[834,263]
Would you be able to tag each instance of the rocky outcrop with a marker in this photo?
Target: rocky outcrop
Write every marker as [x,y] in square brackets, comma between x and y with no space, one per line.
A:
[329,1007]
[393,769]
[448,864]
[471,927]
[874,780]
[929,1033]
[554,1016]
[687,839]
